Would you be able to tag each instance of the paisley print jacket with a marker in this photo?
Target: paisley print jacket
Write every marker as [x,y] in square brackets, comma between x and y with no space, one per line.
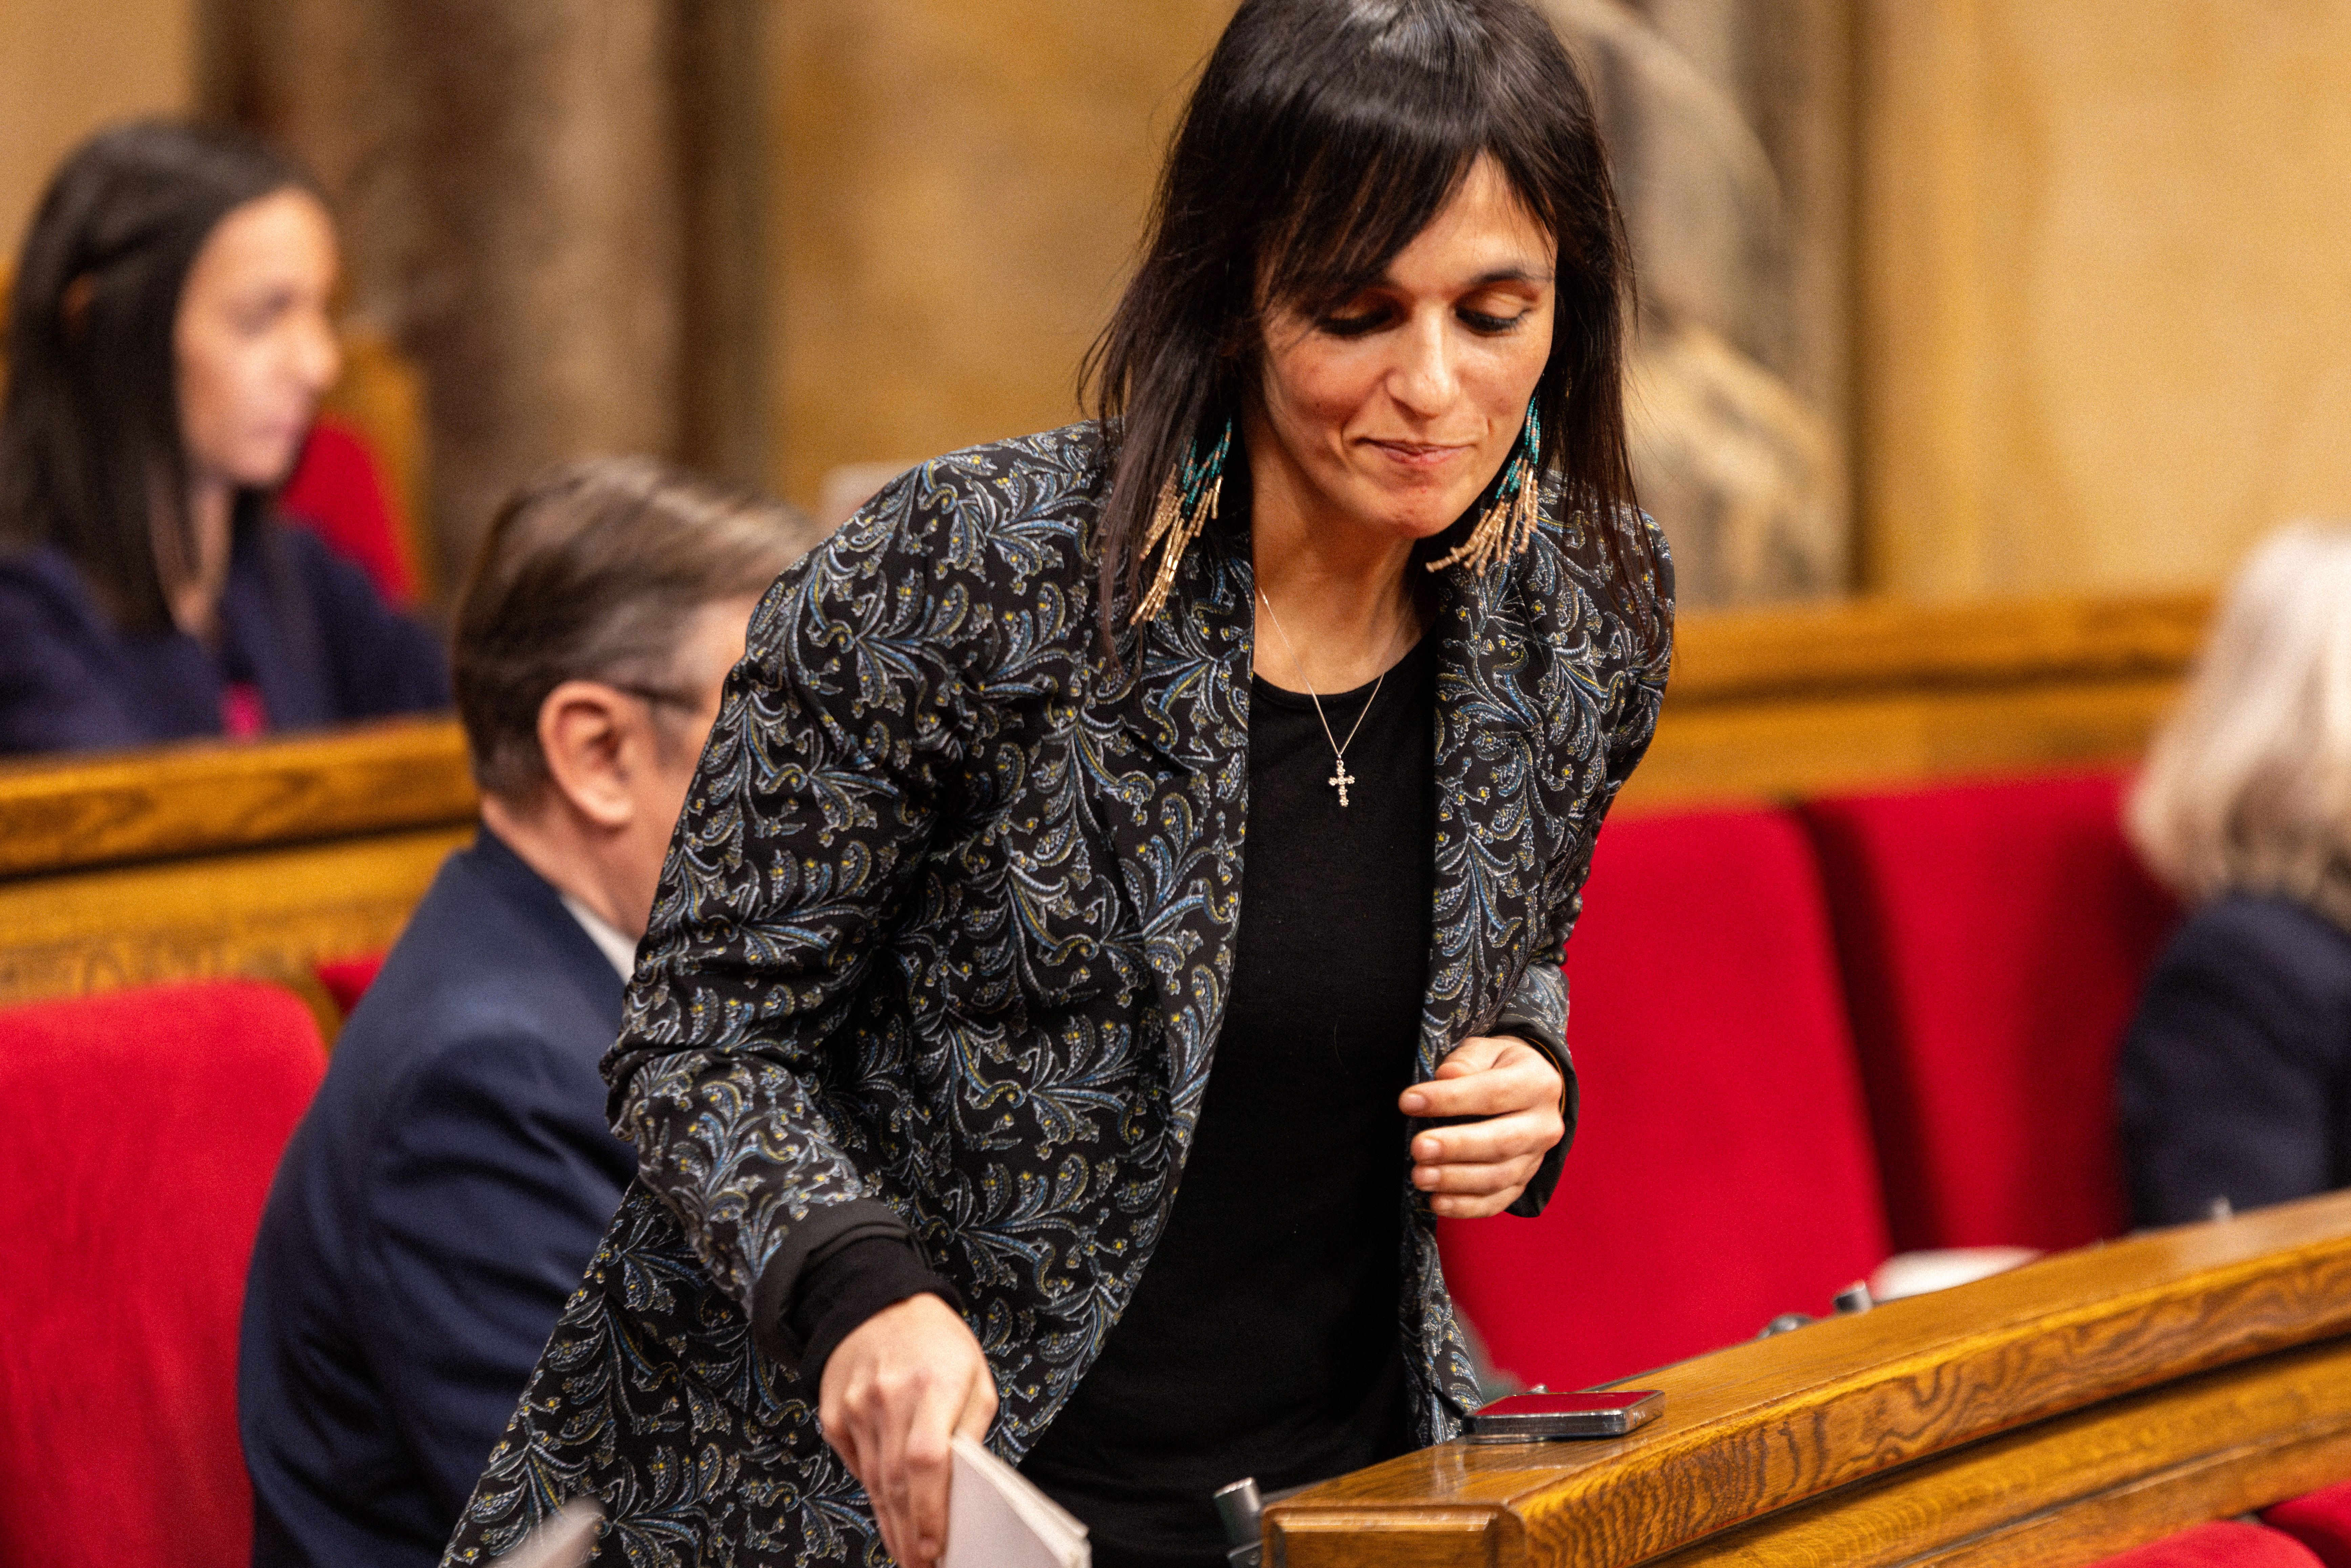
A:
[942,946]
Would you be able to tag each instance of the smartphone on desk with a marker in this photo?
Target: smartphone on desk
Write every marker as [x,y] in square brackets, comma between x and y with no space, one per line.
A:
[1533,1416]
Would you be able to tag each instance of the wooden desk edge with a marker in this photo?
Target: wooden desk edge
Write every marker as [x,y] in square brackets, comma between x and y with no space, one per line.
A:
[77,812]
[1800,1416]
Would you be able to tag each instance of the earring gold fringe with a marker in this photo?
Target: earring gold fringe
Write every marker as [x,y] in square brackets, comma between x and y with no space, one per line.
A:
[1508,522]
[1187,500]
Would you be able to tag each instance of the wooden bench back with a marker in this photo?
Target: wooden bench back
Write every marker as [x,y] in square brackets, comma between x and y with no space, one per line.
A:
[216,859]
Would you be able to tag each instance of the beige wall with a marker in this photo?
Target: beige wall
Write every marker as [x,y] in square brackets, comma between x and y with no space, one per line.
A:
[959,190]
[2105,281]
[68,68]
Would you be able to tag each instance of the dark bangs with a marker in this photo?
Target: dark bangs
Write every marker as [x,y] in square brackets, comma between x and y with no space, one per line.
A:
[1322,137]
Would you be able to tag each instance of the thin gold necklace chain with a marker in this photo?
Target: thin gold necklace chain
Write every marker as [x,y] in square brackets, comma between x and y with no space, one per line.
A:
[1338,746]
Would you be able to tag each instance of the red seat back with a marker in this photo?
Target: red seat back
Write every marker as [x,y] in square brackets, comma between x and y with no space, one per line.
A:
[337,491]
[2223,1543]
[2321,1521]
[1994,937]
[1723,1173]
[347,979]
[143,1129]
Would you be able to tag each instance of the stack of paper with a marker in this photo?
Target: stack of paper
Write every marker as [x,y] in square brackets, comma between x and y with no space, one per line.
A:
[998,1519]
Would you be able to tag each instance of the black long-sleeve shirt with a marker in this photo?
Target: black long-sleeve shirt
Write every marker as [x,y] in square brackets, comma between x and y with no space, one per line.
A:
[1263,1339]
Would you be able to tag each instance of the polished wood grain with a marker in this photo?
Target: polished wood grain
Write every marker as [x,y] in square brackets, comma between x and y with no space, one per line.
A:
[211,859]
[1875,644]
[1772,1424]
[1775,750]
[1768,706]
[213,796]
[2102,1480]
[271,913]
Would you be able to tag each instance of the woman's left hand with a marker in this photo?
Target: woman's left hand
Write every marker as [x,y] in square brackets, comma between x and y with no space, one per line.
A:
[1479,1168]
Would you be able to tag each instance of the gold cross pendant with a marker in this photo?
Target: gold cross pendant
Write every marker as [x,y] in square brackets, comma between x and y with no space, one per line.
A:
[1342,777]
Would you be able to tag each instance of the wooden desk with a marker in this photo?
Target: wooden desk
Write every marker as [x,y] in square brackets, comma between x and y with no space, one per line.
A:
[2053,1416]
[216,859]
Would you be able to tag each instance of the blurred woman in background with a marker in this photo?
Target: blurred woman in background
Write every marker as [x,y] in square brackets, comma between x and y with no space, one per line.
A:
[168,340]
[2236,1075]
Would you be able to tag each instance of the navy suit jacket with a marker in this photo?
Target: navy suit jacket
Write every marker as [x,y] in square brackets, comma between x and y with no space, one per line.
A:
[433,1211]
[299,622]
[2236,1075]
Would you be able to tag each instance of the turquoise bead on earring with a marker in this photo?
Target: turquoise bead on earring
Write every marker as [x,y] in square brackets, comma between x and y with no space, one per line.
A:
[1509,520]
[1187,499]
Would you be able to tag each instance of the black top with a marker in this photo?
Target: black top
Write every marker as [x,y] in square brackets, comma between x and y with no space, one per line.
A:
[2236,1075]
[1262,1340]
[431,1216]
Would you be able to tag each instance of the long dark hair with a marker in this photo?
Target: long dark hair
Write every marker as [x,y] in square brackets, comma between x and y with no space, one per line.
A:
[1322,137]
[91,455]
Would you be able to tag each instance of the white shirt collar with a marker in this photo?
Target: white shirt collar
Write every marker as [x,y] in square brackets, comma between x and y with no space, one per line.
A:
[618,949]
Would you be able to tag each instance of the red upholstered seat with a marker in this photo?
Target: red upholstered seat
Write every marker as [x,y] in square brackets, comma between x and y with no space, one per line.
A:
[337,491]
[1723,1173]
[143,1129]
[347,979]
[1995,937]
[2321,1521]
[2223,1543]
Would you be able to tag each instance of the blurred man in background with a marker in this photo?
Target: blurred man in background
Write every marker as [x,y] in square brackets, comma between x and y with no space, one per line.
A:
[442,1196]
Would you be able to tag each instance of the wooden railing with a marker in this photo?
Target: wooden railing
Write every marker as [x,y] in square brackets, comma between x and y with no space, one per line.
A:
[2053,1416]
[1774,704]
[213,859]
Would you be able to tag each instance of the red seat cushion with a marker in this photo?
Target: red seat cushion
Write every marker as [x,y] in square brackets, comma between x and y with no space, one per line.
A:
[1995,937]
[2223,1543]
[347,979]
[338,492]
[143,1129]
[2321,1521]
[1722,1174]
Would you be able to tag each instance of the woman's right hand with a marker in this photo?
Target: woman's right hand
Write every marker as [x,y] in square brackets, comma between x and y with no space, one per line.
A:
[894,1392]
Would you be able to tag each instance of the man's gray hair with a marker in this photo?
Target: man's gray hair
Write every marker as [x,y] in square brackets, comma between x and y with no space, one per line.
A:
[594,571]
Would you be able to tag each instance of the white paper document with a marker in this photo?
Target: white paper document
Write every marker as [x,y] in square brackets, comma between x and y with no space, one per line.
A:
[998,1519]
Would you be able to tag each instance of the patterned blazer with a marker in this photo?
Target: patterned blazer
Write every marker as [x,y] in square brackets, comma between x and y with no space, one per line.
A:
[942,948]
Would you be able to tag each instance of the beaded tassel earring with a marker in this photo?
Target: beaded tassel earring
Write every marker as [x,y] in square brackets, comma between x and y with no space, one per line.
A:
[1187,501]
[1510,522]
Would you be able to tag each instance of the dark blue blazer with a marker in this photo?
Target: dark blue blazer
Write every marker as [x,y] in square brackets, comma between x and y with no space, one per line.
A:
[297,621]
[2236,1075]
[434,1209]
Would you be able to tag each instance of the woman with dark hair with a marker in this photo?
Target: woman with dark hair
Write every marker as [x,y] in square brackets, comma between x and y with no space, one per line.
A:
[168,343]
[1120,905]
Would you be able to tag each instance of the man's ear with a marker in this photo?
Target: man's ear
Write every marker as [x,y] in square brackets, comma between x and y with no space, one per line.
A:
[593,738]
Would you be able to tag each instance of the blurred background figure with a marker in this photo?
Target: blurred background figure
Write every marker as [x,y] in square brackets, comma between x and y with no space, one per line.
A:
[446,1190]
[169,341]
[2236,1076]
[1737,205]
